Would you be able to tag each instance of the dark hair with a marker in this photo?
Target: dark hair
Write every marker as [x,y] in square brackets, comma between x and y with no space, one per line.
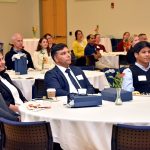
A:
[140,45]
[125,33]
[88,36]
[76,33]
[39,47]
[47,34]
[141,34]
[56,48]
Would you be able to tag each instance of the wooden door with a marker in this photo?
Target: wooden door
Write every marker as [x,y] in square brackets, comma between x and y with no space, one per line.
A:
[54,19]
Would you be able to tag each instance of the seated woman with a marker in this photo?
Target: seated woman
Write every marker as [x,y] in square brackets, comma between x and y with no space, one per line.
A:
[99,46]
[125,44]
[11,94]
[130,54]
[51,43]
[42,59]
[79,44]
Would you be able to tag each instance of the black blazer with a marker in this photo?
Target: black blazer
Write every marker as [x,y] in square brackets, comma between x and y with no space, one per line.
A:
[6,93]
[10,64]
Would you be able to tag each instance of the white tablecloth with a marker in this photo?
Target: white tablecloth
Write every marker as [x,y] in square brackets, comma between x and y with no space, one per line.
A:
[107,43]
[110,59]
[30,45]
[89,128]
[25,82]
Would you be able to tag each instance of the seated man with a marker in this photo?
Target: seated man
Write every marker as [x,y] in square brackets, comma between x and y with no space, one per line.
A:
[137,77]
[142,37]
[63,77]
[17,47]
[90,48]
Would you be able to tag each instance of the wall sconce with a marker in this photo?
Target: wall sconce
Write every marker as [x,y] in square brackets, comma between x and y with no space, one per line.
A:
[112,5]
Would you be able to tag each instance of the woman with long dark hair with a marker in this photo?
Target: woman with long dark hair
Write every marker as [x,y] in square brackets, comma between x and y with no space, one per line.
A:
[42,59]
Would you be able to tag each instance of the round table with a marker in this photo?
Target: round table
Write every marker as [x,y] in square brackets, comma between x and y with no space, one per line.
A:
[89,128]
[109,60]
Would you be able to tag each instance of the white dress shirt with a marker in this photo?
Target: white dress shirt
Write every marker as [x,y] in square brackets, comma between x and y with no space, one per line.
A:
[71,86]
[127,83]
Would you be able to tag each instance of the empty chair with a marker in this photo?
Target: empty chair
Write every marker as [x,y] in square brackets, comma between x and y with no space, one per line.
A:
[86,62]
[90,60]
[123,60]
[114,43]
[26,135]
[73,58]
[80,61]
[38,89]
[128,137]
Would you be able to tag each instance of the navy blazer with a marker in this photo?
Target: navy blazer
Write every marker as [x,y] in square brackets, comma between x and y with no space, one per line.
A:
[10,64]
[6,93]
[55,79]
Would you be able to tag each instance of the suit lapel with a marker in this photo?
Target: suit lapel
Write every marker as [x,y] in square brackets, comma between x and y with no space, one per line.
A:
[62,75]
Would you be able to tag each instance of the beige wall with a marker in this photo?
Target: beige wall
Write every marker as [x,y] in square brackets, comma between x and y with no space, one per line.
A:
[128,15]
[19,16]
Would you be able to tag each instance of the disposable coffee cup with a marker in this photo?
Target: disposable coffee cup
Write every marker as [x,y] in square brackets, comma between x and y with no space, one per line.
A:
[101,51]
[82,91]
[51,93]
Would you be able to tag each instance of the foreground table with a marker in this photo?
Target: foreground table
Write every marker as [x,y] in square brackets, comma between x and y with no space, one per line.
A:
[89,128]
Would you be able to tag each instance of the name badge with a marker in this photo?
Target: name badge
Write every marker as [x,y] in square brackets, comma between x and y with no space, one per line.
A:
[142,78]
[79,77]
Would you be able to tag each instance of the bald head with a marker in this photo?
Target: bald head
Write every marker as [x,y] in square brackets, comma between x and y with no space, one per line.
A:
[17,41]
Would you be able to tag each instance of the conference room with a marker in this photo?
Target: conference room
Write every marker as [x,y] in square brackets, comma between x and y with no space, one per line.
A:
[109,125]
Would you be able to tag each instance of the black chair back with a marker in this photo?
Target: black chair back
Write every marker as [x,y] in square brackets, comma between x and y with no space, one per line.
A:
[114,43]
[128,137]
[73,58]
[38,89]
[123,60]
[26,135]
[81,61]
[90,60]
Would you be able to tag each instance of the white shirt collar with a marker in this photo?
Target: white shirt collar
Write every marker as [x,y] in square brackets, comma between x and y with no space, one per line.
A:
[141,67]
[63,69]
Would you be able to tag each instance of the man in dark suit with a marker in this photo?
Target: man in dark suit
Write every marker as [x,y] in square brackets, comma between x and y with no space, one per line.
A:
[59,78]
[17,47]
